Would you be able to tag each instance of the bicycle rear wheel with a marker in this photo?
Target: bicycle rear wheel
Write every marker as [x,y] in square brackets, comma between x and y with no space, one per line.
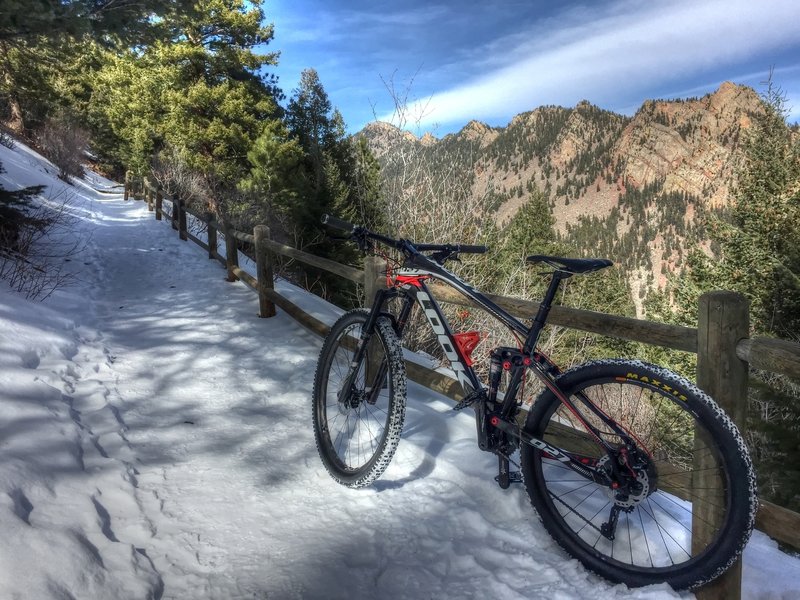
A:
[357,430]
[687,509]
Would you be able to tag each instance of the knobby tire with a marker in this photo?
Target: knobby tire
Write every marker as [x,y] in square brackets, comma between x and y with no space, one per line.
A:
[666,532]
[356,439]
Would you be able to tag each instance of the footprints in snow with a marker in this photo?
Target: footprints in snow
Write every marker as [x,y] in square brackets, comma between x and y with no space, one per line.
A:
[105,520]
[22,507]
[30,360]
[88,409]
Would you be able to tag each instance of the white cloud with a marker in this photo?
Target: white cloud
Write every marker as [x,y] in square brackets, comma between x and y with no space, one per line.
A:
[627,46]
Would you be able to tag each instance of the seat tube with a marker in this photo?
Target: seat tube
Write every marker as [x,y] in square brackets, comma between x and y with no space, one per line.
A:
[544,310]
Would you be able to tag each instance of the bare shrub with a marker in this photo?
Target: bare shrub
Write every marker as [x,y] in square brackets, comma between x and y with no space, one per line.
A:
[434,203]
[177,178]
[431,202]
[35,252]
[64,143]
[6,139]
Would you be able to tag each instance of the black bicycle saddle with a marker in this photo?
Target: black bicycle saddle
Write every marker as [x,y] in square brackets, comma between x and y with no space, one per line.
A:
[574,266]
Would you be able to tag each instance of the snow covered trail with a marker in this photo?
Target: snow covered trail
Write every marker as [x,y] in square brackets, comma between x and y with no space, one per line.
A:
[214,403]
[156,443]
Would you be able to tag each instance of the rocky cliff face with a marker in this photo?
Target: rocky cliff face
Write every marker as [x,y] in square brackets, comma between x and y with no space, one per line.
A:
[691,146]
[624,174]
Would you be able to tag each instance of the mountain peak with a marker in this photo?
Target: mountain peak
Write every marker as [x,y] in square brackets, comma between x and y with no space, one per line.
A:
[478,131]
[428,139]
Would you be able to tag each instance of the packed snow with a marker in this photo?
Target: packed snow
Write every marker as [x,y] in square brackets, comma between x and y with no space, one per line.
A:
[156,443]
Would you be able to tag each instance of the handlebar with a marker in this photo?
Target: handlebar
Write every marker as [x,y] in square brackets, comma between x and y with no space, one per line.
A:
[406,246]
[339,224]
[457,248]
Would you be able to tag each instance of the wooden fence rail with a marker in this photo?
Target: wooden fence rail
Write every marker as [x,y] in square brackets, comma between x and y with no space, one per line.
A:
[720,341]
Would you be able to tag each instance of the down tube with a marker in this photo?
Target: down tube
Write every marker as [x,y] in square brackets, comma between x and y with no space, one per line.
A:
[466,375]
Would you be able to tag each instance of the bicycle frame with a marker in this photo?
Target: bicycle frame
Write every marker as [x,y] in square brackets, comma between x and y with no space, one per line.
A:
[409,284]
[361,364]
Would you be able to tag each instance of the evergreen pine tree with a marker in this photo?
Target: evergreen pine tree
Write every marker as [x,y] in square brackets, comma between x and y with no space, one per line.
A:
[200,91]
[342,176]
[38,38]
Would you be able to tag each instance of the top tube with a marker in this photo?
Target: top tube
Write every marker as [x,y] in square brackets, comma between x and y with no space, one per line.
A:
[415,258]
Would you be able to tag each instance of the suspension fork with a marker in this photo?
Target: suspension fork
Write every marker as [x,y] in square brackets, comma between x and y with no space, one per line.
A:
[374,378]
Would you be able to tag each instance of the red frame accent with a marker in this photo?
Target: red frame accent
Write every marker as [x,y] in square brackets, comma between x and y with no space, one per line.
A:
[415,280]
[466,342]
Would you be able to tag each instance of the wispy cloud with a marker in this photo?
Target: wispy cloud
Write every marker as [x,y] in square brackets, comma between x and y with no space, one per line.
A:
[330,25]
[603,53]
[413,17]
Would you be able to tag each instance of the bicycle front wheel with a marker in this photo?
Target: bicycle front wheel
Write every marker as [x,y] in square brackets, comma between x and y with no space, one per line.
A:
[686,508]
[357,429]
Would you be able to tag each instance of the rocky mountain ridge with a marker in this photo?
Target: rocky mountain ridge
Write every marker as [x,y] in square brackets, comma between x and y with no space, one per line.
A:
[690,145]
[650,177]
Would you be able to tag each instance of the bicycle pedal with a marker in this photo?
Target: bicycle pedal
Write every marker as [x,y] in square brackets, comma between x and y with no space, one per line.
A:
[508,479]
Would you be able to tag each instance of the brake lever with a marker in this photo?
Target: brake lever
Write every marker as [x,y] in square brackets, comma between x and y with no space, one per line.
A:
[364,244]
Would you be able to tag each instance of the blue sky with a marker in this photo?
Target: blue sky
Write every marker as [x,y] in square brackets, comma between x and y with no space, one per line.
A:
[489,60]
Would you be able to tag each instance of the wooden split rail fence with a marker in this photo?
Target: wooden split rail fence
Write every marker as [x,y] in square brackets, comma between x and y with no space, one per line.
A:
[724,350]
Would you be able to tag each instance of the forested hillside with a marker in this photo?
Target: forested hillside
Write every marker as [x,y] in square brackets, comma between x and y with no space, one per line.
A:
[636,189]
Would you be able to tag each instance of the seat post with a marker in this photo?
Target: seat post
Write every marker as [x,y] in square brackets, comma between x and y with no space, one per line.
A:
[544,310]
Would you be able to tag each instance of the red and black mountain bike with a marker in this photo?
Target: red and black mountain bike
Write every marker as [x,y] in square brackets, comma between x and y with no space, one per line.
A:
[632,469]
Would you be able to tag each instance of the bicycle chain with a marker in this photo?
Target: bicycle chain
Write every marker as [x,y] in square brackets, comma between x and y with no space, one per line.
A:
[469,399]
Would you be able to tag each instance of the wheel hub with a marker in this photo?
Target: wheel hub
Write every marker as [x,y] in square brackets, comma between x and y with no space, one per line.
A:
[634,490]
[349,402]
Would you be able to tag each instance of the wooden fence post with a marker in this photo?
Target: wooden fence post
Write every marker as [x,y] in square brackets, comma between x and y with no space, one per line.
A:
[149,197]
[145,191]
[723,321]
[212,236]
[182,229]
[264,271]
[176,208]
[231,252]
[374,277]
[159,203]
[128,179]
